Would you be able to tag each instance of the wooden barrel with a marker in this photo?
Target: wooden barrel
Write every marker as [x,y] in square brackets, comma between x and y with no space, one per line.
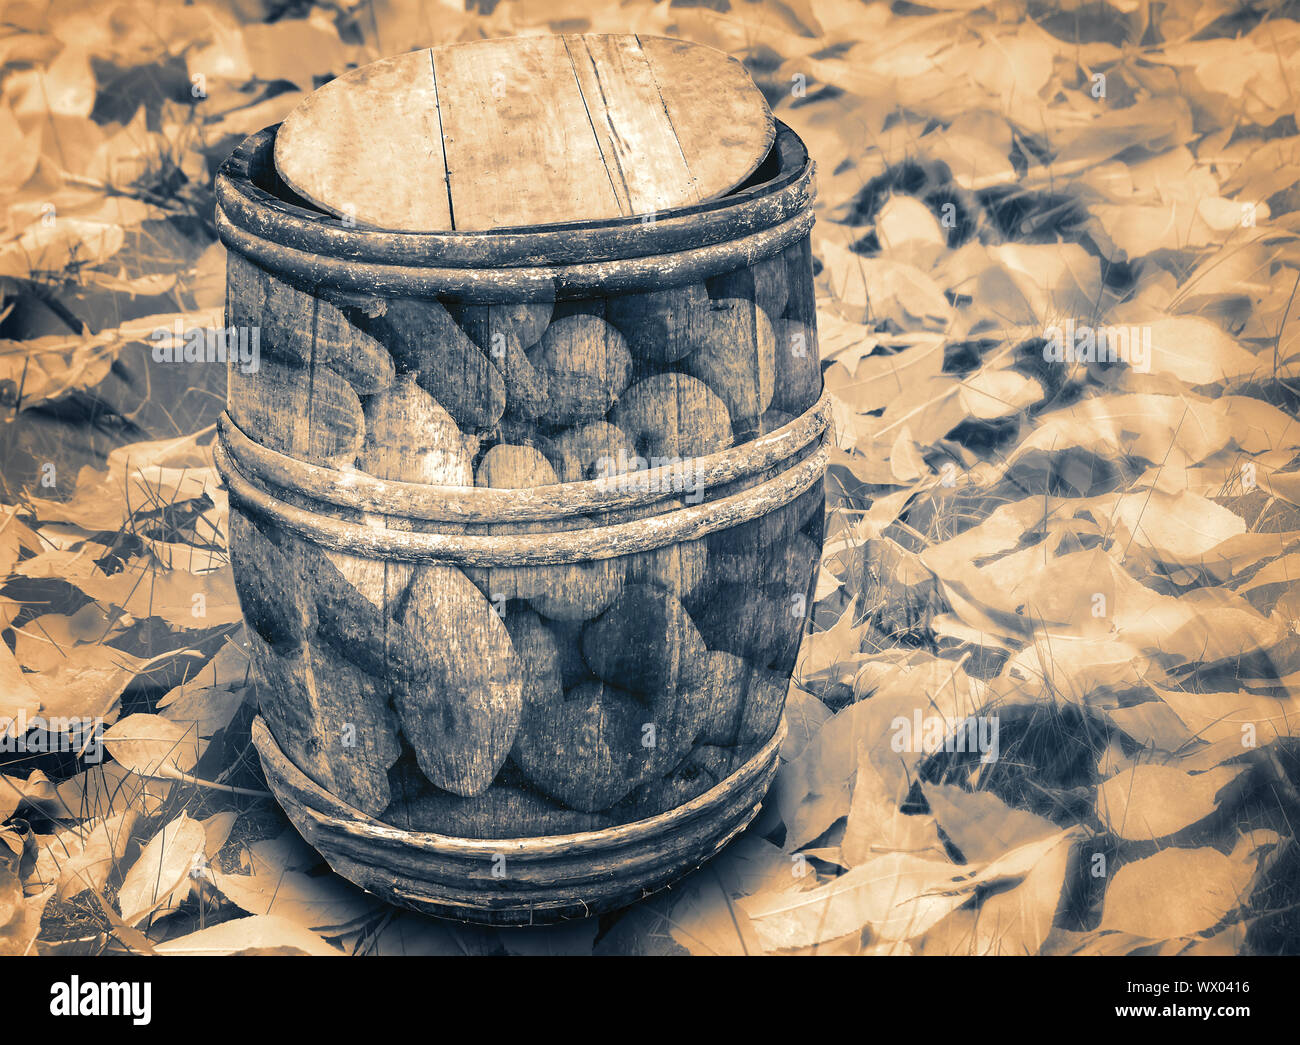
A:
[525,525]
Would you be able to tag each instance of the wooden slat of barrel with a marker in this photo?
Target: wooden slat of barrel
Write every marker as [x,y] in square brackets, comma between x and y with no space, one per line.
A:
[716,126]
[337,149]
[526,131]
[518,141]
[641,153]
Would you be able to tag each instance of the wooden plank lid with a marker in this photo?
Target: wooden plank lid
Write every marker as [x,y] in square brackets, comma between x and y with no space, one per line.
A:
[526,131]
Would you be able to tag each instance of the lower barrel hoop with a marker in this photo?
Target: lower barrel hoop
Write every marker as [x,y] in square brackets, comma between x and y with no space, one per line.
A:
[476,504]
[529,549]
[547,878]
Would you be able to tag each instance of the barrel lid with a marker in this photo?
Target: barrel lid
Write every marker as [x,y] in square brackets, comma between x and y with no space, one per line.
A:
[526,131]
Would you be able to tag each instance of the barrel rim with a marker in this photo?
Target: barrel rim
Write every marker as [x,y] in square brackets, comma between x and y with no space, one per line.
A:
[360,491]
[248,206]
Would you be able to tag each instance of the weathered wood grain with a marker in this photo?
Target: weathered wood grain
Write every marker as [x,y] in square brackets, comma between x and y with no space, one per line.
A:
[572,666]
[642,158]
[268,595]
[801,303]
[660,325]
[539,655]
[764,283]
[771,279]
[424,339]
[760,714]
[589,451]
[248,198]
[514,467]
[383,582]
[490,285]
[578,591]
[502,811]
[392,106]
[673,415]
[585,750]
[587,366]
[411,438]
[576,546]
[527,387]
[285,584]
[518,139]
[703,768]
[331,719]
[332,716]
[764,626]
[525,320]
[362,492]
[546,878]
[503,332]
[644,642]
[772,420]
[706,95]
[785,563]
[798,380]
[306,412]
[736,358]
[679,567]
[303,328]
[719,686]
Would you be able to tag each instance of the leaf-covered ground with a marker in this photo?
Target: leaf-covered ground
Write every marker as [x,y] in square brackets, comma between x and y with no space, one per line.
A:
[1048,704]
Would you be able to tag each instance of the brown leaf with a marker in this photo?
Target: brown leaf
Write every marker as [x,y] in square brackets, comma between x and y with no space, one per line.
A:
[980,824]
[1176,892]
[259,934]
[320,902]
[82,857]
[159,881]
[152,746]
[1150,801]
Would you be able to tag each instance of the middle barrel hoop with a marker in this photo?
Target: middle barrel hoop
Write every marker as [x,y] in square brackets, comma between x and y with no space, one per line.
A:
[253,473]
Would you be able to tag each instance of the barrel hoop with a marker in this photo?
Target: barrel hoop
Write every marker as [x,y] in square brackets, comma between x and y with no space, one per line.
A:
[528,549]
[330,809]
[517,284]
[468,504]
[266,215]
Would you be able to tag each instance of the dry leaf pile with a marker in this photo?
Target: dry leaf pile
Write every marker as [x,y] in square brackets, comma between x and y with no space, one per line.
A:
[1049,701]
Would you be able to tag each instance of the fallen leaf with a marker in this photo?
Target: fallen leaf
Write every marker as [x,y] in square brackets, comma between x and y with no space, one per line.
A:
[1150,801]
[980,824]
[1014,921]
[159,881]
[321,902]
[1176,892]
[82,857]
[1234,717]
[259,934]
[153,746]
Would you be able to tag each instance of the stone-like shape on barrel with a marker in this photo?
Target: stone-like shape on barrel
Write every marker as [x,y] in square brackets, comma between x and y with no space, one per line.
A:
[295,326]
[328,714]
[305,412]
[462,721]
[586,365]
[425,340]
